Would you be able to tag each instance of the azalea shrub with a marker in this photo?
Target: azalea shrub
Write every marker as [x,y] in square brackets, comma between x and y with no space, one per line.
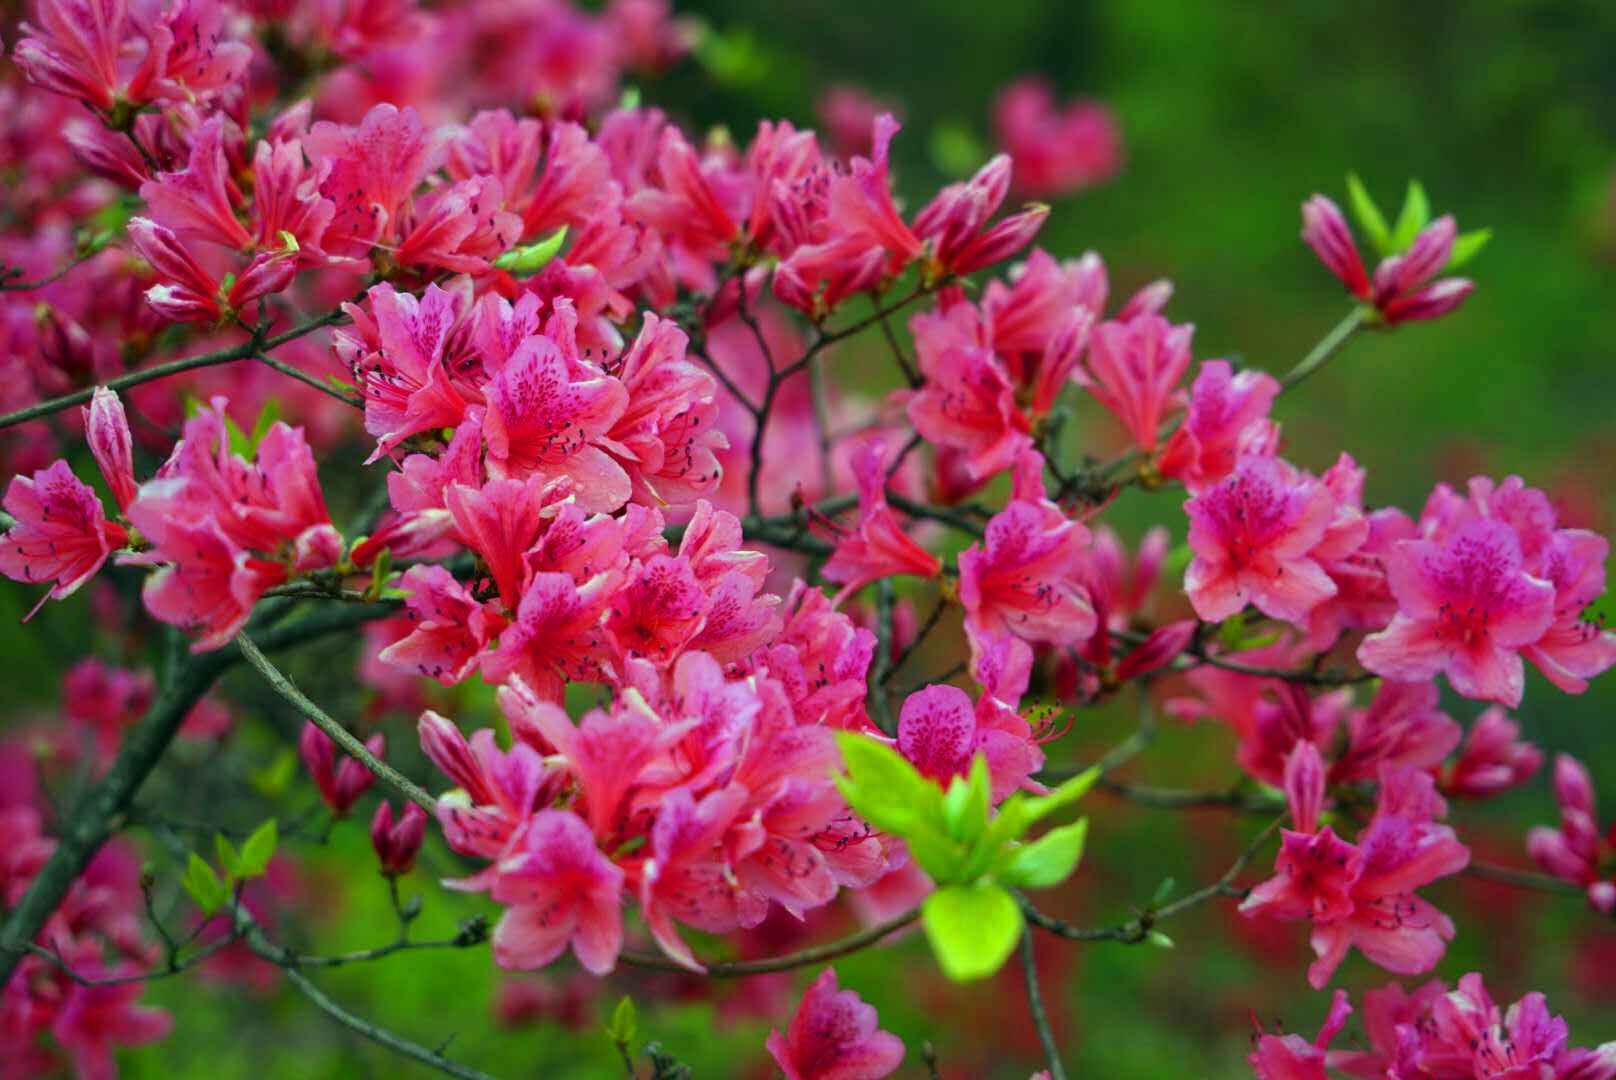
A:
[449,448]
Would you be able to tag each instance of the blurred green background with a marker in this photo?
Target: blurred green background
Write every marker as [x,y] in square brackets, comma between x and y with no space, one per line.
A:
[1231,116]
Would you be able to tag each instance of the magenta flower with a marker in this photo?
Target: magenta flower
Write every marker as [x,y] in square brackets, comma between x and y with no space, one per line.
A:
[834,1035]
[1466,607]
[1253,534]
[556,635]
[1058,149]
[369,170]
[106,429]
[1227,417]
[496,790]
[967,401]
[657,610]
[1493,759]
[199,202]
[1573,650]
[1134,368]
[1027,576]
[61,532]
[560,890]
[668,430]
[397,843]
[1402,288]
[940,732]
[340,783]
[1291,1057]
[954,225]
[879,547]
[90,1021]
[543,418]
[449,628]
[75,50]
[397,351]
[1576,852]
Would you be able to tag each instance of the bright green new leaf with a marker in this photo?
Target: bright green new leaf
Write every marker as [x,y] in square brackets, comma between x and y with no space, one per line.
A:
[1368,215]
[525,261]
[965,804]
[1415,214]
[272,780]
[972,929]
[228,858]
[1040,806]
[884,788]
[1048,860]
[203,885]
[1159,939]
[258,849]
[1163,891]
[267,416]
[624,1023]
[1467,246]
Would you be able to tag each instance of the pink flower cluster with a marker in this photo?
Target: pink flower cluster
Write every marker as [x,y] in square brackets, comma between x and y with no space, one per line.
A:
[1058,150]
[1576,852]
[1361,895]
[1435,1033]
[96,932]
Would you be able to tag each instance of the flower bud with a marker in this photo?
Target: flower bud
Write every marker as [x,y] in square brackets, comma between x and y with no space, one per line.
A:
[396,844]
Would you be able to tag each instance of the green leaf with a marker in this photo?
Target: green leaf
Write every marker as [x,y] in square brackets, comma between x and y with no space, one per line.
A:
[203,885]
[267,416]
[732,57]
[525,261]
[1232,631]
[1415,214]
[258,849]
[1048,860]
[1040,806]
[1368,215]
[943,860]
[1163,891]
[972,929]
[381,572]
[227,857]
[965,804]
[1467,246]
[240,442]
[883,788]
[624,1023]
[1159,939]
[273,779]
[955,150]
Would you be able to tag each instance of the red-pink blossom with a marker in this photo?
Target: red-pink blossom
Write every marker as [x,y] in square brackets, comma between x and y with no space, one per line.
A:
[1227,417]
[341,783]
[1292,1057]
[940,731]
[878,547]
[1576,852]
[560,890]
[106,429]
[1058,150]
[1027,576]
[1466,606]
[61,532]
[834,1036]
[1134,368]
[1493,758]
[967,400]
[1253,535]
[396,843]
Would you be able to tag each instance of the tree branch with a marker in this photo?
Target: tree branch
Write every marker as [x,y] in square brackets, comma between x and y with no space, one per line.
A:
[815,955]
[340,735]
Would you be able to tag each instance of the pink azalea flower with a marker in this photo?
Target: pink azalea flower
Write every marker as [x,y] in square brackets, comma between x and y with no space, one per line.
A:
[1040,323]
[75,50]
[1402,287]
[1058,150]
[199,202]
[286,200]
[372,169]
[656,612]
[1401,726]
[544,418]
[834,1036]
[91,1020]
[1493,758]
[1027,577]
[61,532]
[496,790]
[397,350]
[847,115]
[940,732]
[1228,415]
[668,427]
[1133,369]
[501,521]
[397,843]
[954,225]
[1572,650]
[560,890]
[106,429]
[1291,1057]
[687,877]
[1576,852]
[340,783]
[556,635]
[449,628]
[1466,606]
[967,401]
[879,547]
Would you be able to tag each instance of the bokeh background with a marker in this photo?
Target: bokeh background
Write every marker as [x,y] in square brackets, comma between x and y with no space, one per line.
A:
[1231,115]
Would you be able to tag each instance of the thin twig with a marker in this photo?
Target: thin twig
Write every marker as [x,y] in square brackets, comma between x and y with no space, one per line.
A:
[340,735]
[174,367]
[1035,1006]
[881,665]
[306,379]
[1321,354]
[806,957]
[1523,879]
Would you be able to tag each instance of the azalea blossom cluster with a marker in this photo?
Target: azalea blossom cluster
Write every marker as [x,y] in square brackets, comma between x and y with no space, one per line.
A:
[1437,1033]
[586,357]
